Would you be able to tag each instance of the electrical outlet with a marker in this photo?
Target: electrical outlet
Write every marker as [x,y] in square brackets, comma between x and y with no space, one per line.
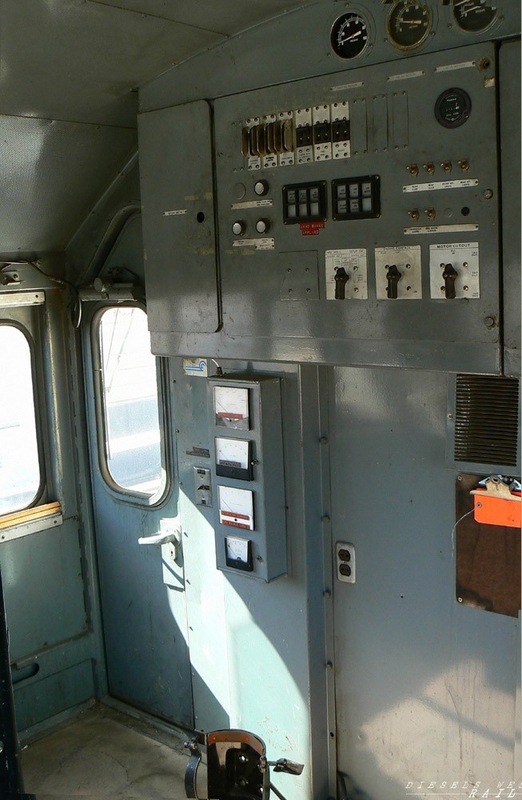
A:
[345,562]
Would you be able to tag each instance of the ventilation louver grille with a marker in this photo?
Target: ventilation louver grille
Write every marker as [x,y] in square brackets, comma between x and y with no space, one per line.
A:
[486,420]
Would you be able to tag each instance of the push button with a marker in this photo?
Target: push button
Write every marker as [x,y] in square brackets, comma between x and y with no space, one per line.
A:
[238,227]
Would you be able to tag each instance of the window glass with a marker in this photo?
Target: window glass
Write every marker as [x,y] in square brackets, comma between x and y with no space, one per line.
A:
[20,475]
[130,401]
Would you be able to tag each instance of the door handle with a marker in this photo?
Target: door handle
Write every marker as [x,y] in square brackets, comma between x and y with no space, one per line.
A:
[160,538]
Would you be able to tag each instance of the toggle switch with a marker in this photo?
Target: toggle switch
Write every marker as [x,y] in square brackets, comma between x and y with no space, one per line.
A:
[413,169]
[447,166]
[414,213]
[262,226]
[203,486]
[464,164]
[393,277]
[341,279]
[430,212]
[449,275]
[238,227]
[429,167]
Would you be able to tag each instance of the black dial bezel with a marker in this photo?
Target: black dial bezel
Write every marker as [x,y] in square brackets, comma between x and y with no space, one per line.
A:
[392,36]
[466,100]
[471,31]
[339,21]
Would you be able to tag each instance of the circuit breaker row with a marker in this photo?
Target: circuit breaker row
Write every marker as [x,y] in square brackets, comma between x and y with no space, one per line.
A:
[317,133]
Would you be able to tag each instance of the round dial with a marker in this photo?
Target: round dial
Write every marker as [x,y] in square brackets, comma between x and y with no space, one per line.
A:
[349,35]
[453,108]
[474,15]
[409,22]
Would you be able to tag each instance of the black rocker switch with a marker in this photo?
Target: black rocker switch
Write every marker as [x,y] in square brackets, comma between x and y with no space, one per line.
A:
[393,277]
[450,275]
[341,279]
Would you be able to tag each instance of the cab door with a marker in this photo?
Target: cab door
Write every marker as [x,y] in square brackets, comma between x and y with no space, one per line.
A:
[135,500]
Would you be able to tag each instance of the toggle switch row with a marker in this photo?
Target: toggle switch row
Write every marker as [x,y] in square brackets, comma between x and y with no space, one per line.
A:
[446,166]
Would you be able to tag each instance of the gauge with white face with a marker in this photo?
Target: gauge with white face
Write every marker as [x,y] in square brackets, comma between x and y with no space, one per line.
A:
[474,15]
[349,36]
[231,407]
[234,458]
[409,23]
[237,549]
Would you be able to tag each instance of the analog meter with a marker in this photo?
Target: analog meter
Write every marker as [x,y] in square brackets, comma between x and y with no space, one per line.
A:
[409,23]
[349,36]
[453,108]
[474,15]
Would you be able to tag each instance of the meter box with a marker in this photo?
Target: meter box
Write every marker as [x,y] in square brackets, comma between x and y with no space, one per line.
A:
[247,453]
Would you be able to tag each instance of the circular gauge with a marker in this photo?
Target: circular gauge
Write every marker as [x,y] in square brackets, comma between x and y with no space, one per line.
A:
[453,108]
[349,36]
[409,22]
[474,15]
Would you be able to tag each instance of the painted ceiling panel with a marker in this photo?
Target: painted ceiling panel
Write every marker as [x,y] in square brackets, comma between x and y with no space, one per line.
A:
[224,16]
[80,61]
[50,175]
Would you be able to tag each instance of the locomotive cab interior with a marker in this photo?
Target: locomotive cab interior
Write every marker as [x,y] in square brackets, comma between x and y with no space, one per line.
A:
[260,490]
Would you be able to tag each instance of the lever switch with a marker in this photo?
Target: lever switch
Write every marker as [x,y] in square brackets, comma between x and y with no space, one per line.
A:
[393,277]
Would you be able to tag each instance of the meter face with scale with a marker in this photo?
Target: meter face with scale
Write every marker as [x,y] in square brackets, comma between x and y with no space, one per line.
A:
[231,407]
[233,458]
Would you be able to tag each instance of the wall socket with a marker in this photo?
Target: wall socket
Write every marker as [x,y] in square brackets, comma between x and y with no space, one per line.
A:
[345,562]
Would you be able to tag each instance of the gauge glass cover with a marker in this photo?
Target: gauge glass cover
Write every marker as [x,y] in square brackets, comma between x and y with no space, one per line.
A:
[474,15]
[349,36]
[409,23]
[453,108]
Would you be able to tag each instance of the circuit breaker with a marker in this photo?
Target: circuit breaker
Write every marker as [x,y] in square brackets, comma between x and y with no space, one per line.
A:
[248,483]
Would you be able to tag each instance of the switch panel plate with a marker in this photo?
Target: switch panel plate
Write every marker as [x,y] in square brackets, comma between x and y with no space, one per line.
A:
[203,486]
[408,262]
[355,264]
[464,257]
[345,559]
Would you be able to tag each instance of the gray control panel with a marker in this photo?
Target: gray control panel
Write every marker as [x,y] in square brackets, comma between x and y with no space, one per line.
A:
[360,210]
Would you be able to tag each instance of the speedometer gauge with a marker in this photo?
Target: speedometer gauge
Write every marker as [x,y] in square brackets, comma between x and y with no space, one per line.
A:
[409,23]
[349,36]
[474,15]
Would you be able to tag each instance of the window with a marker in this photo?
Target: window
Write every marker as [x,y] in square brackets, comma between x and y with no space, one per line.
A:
[129,395]
[20,473]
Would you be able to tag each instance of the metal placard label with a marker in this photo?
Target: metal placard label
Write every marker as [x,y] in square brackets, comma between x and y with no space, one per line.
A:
[251,204]
[177,212]
[311,228]
[434,186]
[260,244]
[425,229]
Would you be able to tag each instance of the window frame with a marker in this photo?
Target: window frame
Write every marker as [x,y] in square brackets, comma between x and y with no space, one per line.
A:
[126,495]
[39,406]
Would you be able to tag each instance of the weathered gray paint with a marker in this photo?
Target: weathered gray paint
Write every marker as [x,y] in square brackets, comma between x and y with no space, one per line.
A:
[425,687]
[51,159]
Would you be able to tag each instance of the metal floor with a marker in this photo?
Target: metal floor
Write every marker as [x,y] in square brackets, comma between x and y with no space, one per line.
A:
[105,754]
